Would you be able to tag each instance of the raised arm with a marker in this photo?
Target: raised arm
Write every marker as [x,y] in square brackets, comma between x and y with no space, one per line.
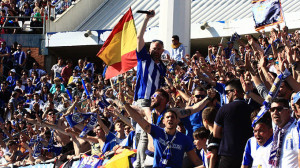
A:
[189,110]
[123,118]
[102,125]
[146,126]
[140,35]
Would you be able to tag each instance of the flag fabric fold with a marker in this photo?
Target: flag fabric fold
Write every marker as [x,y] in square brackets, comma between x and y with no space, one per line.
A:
[266,13]
[119,50]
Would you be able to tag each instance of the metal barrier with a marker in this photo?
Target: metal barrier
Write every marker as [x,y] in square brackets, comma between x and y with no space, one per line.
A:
[25,17]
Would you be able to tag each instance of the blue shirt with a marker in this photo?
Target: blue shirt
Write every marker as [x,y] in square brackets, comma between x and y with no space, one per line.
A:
[29,89]
[20,57]
[12,81]
[220,87]
[180,145]
[149,75]
[196,120]
[5,50]
[110,142]
[207,59]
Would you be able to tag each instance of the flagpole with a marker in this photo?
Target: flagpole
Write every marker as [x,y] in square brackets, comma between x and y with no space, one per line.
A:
[218,53]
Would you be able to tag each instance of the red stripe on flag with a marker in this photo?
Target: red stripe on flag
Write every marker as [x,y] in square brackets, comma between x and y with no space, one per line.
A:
[128,61]
[119,27]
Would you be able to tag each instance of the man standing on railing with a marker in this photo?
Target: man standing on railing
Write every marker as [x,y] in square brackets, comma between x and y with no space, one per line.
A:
[19,59]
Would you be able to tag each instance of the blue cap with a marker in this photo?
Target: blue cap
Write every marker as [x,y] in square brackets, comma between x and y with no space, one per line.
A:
[296,97]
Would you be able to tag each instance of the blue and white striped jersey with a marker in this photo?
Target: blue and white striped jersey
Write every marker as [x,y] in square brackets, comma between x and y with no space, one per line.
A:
[149,75]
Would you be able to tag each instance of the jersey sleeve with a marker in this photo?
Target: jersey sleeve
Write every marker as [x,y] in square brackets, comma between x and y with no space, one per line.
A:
[214,143]
[156,131]
[143,54]
[247,158]
[189,144]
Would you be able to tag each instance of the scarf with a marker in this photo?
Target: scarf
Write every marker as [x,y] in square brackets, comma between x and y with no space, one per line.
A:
[167,153]
[159,119]
[271,95]
[277,143]
[175,46]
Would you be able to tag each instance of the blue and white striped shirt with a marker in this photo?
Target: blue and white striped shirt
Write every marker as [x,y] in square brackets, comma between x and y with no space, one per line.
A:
[149,75]
[20,57]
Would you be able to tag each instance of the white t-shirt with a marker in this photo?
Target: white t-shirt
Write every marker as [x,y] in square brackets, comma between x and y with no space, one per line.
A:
[57,70]
[258,155]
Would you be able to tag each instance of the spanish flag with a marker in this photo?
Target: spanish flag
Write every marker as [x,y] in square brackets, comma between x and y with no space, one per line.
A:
[119,50]
[120,160]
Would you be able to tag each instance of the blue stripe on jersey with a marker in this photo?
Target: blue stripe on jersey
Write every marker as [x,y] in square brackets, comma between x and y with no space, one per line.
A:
[148,76]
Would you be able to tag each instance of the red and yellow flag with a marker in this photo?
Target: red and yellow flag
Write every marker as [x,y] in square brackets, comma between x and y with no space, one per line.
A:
[119,50]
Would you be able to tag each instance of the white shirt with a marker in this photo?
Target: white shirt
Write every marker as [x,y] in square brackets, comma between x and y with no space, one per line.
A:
[57,70]
[178,54]
[259,154]
[290,147]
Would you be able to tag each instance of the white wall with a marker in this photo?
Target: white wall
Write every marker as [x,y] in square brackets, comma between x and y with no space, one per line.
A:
[74,16]
[175,19]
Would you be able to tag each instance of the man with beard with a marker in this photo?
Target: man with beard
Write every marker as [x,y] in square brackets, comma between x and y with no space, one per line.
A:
[150,74]
[150,69]
[233,126]
[166,146]
[159,102]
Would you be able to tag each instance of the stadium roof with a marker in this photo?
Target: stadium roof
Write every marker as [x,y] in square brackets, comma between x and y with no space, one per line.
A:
[107,15]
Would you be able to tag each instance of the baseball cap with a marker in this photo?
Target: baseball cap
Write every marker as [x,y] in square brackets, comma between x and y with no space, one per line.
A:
[13,70]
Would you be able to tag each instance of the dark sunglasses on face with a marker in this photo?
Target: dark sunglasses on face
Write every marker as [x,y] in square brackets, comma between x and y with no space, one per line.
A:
[200,96]
[279,108]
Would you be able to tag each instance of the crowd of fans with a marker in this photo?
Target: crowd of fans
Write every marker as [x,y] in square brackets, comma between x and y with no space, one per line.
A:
[16,12]
[200,105]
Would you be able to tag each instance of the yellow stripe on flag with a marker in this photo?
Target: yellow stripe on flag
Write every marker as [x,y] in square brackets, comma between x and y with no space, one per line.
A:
[129,40]
[112,53]
[120,161]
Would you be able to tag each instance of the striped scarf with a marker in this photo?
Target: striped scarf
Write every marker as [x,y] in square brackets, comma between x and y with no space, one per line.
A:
[277,143]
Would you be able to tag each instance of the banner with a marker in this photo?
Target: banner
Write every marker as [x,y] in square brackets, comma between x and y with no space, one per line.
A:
[266,13]
[89,162]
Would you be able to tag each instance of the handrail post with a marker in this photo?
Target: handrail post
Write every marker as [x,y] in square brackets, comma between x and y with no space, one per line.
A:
[44,24]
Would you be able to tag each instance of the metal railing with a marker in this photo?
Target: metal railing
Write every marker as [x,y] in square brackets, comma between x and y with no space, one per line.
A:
[43,20]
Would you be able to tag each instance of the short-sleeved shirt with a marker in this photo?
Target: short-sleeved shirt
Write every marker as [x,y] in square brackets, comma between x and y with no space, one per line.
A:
[234,118]
[177,54]
[256,155]
[181,144]
[111,141]
[57,70]
[290,147]
[19,57]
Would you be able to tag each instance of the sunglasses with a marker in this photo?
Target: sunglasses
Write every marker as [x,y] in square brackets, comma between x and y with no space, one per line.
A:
[51,114]
[228,91]
[155,95]
[279,108]
[270,58]
[200,96]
